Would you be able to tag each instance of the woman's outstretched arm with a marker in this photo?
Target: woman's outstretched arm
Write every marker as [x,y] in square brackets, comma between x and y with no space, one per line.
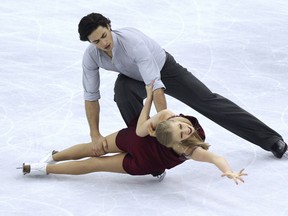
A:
[202,155]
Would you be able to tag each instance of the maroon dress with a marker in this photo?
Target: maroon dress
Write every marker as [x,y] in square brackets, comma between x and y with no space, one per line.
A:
[145,155]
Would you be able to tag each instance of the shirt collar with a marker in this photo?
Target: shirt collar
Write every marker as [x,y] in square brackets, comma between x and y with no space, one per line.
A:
[115,42]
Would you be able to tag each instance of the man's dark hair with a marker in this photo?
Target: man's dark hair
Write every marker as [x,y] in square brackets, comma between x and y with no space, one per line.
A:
[90,23]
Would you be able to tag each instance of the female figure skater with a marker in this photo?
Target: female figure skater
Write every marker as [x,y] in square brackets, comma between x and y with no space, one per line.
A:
[137,154]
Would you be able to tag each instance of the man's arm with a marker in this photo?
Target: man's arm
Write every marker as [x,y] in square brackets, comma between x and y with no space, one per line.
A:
[92,109]
[159,99]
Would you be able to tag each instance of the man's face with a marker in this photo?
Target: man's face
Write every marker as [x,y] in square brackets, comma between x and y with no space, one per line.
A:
[102,38]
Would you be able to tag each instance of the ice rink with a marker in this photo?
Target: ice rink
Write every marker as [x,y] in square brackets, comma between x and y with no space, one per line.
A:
[239,49]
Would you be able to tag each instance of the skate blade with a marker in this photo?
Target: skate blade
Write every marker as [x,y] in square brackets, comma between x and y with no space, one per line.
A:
[22,168]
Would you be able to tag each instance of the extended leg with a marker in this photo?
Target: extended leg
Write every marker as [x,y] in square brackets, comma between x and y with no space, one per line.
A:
[84,150]
[182,85]
[94,164]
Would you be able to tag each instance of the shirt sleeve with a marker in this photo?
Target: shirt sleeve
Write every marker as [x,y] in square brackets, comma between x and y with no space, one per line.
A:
[90,78]
[147,65]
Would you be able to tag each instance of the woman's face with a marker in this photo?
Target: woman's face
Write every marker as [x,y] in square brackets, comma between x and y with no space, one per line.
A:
[181,130]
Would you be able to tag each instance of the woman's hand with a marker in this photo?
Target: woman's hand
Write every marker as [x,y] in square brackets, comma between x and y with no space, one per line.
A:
[236,176]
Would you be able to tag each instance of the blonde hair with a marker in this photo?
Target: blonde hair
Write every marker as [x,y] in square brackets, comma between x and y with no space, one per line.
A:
[164,135]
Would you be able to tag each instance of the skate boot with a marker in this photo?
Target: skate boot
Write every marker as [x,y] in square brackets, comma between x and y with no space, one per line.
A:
[48,158]
[34,168]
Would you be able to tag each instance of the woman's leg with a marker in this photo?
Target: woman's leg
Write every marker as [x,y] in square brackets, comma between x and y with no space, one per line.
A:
[80,151]
[94,164]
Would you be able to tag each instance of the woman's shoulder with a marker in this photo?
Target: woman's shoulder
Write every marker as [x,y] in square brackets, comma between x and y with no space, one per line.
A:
[165,114]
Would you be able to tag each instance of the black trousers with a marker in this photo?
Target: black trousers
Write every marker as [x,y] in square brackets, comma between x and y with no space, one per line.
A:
[182,85]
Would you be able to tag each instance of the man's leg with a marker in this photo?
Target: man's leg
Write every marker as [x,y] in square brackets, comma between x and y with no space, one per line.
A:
[182,85]
[129,96]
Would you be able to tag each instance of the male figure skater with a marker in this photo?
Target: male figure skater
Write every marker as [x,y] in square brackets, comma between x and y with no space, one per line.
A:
[139,59]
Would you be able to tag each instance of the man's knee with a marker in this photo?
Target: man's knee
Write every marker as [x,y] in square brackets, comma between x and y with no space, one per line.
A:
[126,88]
[120,87]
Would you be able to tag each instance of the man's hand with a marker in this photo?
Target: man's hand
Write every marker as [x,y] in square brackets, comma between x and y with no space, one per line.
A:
[99,145]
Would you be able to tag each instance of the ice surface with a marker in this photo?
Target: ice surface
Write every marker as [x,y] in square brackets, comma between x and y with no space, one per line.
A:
[237,48]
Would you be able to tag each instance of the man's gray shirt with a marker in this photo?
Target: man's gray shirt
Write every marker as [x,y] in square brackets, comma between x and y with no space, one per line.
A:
[134,55]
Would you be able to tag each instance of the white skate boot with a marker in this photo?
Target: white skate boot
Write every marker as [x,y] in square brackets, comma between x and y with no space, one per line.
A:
[48,158]
[34,168]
